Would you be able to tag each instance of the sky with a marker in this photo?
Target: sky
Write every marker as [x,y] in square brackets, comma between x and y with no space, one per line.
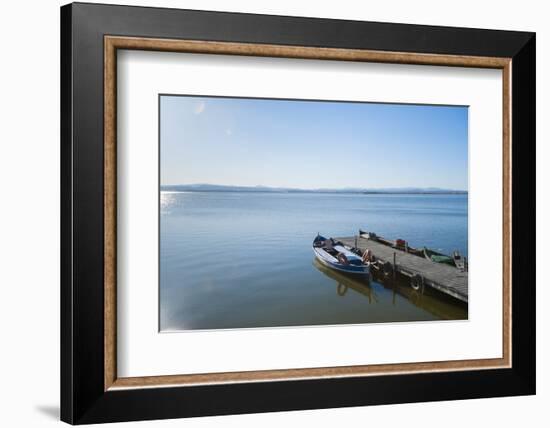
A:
[312,144]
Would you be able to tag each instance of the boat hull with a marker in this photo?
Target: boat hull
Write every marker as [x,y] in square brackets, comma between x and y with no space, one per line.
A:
[326,261]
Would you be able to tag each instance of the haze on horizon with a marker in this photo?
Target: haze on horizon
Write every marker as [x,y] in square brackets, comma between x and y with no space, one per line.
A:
[312,144]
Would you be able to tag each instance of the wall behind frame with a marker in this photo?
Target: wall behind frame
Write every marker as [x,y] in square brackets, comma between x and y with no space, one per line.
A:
[29,219]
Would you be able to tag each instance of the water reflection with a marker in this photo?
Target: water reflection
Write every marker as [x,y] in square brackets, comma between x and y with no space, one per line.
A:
[358,283]
[166,200]
[437,304]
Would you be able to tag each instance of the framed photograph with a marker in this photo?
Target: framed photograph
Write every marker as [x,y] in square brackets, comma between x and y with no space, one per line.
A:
[265,213]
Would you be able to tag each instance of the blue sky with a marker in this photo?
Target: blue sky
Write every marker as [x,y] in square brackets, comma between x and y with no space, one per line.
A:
[312,144]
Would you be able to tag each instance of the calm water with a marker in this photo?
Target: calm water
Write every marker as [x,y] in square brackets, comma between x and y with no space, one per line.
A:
[231,260]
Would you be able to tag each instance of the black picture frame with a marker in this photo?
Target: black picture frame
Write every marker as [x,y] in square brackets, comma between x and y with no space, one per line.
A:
[83,398]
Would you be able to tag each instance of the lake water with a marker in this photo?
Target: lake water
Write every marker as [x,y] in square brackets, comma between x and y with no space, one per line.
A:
[234,260]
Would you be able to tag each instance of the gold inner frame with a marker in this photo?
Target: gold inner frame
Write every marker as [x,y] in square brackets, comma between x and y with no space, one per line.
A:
[112,43]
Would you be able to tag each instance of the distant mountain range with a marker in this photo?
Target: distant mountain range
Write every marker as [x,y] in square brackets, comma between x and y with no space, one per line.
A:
[265,189]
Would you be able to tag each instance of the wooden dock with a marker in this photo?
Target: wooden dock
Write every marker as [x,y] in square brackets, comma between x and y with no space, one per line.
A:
[444,278]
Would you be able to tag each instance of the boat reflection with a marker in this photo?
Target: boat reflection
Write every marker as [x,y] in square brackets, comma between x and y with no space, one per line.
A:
[437,304]
[358,283]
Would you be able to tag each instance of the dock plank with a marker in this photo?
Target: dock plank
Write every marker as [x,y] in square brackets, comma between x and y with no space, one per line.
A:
[442,277]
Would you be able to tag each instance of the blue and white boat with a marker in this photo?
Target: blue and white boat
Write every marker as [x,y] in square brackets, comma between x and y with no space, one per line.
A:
[336,255]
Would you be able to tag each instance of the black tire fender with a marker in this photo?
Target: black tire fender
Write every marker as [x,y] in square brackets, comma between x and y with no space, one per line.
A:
[416,282]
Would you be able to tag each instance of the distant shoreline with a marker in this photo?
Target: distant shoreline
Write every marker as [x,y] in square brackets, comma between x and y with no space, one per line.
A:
[445,192]
[262,189]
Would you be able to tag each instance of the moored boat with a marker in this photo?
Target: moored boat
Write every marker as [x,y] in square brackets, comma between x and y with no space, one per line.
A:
[460,261]
[436,257]
[338,256]
[457,260]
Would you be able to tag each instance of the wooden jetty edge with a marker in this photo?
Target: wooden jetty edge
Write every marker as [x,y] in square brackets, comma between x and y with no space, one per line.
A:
[447,279]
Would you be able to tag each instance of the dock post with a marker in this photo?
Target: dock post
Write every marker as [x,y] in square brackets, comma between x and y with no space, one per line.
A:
[393,266]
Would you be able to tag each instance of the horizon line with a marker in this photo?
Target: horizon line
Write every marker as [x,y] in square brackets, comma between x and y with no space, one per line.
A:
[261,186]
